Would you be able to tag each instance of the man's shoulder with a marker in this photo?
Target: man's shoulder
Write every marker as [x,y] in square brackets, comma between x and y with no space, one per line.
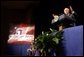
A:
[61,16]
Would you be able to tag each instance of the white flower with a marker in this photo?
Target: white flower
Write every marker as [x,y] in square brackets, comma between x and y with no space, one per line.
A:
[47,34]
[42,32]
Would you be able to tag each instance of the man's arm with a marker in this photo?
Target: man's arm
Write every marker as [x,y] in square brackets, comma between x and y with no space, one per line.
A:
[72,11]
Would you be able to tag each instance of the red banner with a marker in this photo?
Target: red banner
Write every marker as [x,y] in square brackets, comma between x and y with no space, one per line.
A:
[21,34]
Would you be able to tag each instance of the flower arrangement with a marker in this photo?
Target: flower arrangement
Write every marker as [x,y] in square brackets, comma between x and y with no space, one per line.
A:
[47,41]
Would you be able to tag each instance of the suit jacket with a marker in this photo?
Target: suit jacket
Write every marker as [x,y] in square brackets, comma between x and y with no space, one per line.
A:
[67,20]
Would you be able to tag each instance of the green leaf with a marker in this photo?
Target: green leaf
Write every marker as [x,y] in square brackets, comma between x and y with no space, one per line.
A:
[56,40]
[48,41]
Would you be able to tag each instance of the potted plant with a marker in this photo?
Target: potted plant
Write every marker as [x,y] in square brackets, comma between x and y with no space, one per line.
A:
[48,41]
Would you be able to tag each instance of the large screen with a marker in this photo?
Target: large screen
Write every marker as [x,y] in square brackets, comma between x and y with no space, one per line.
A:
[21,34]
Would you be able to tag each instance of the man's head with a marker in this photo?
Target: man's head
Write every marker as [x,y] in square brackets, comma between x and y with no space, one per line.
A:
[66,10]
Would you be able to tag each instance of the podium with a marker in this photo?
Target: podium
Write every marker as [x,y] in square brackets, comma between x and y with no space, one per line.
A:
[73,41]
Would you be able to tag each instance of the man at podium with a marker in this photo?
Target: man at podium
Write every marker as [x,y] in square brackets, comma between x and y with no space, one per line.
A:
[67,19]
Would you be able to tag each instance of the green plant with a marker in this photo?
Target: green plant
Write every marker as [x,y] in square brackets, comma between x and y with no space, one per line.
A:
[47,41]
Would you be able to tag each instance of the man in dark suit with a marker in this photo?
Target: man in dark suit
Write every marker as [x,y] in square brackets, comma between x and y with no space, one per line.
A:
[67,19]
